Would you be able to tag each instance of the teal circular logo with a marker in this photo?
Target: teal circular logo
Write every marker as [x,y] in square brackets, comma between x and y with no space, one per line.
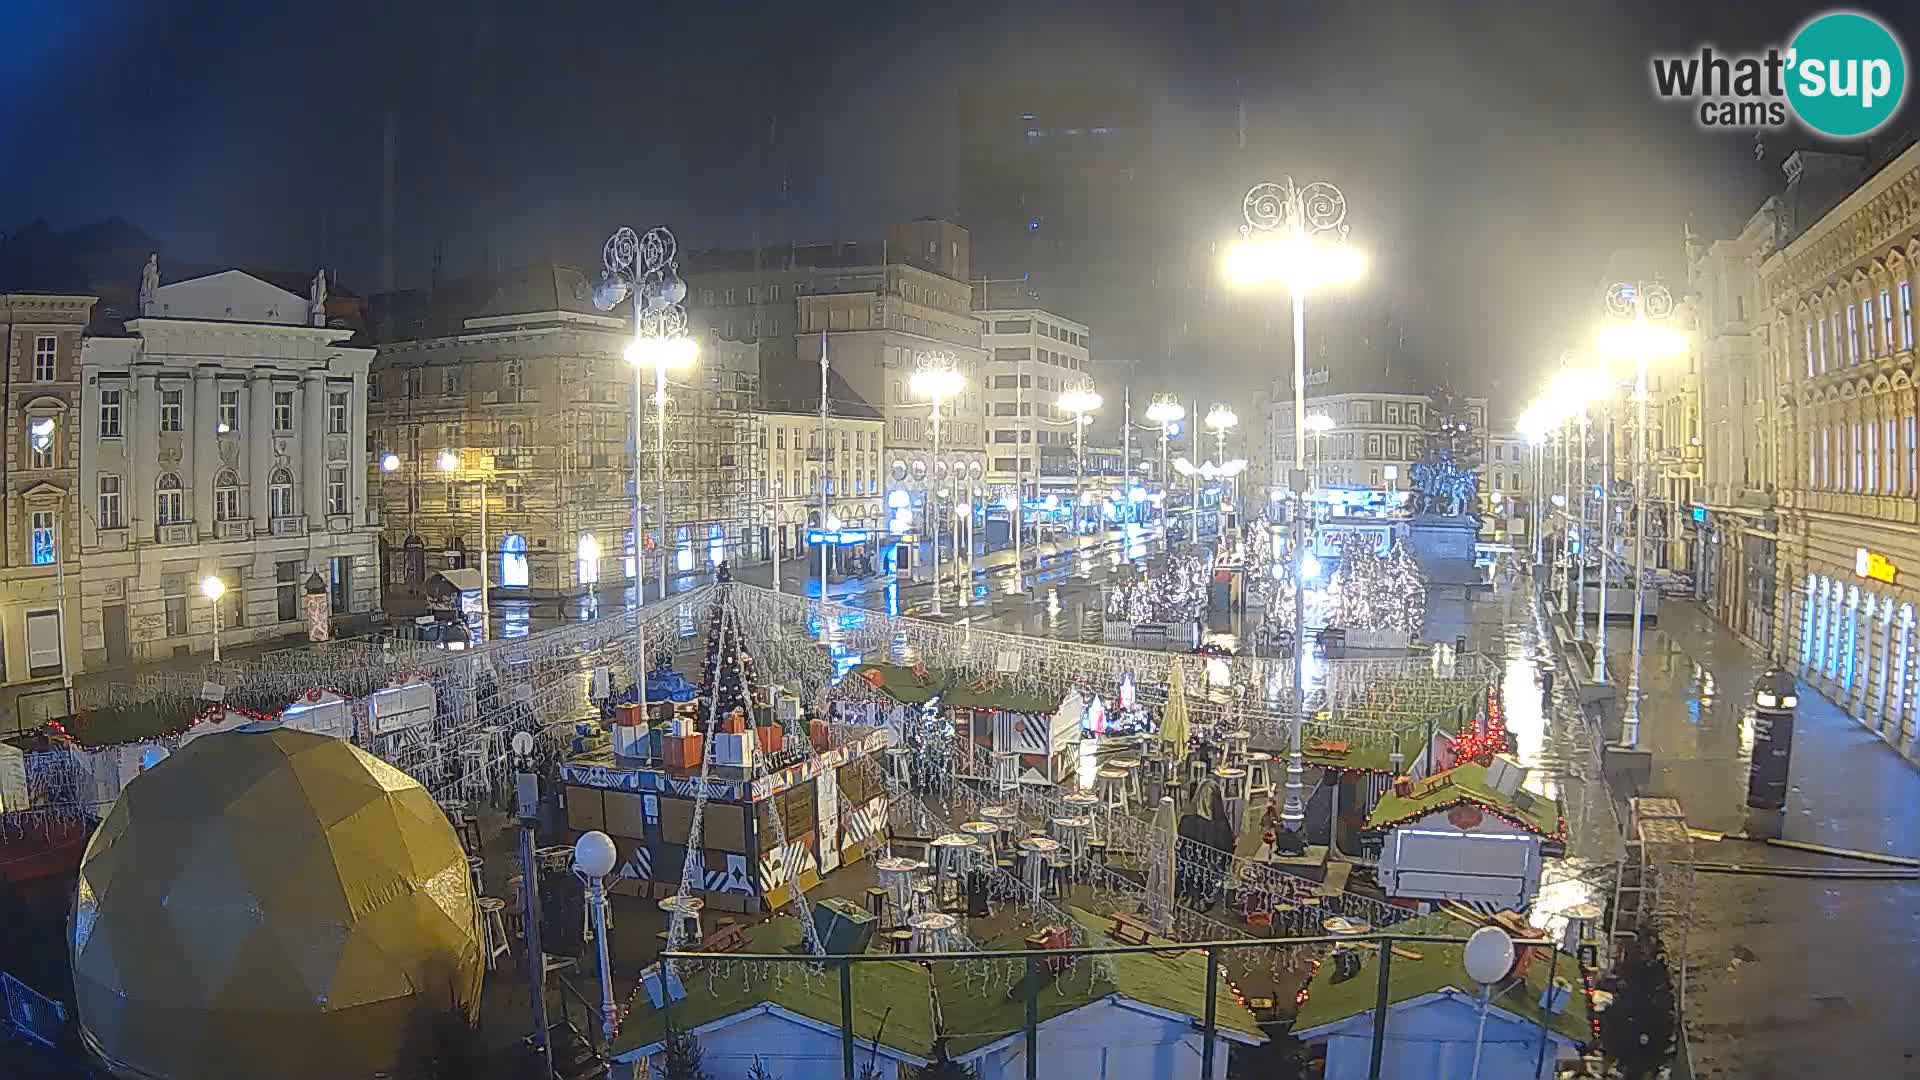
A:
[1846,74]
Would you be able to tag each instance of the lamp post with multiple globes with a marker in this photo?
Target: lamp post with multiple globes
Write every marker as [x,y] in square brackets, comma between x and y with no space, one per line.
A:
[936,376]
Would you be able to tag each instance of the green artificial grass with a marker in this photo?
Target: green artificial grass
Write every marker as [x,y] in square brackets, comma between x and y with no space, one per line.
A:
[1469,785]
[137,722]
[1440,966]
[900,684]
[896,991]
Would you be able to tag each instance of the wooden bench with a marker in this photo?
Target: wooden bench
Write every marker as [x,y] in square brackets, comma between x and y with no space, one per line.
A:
[1127,931]
[730,938]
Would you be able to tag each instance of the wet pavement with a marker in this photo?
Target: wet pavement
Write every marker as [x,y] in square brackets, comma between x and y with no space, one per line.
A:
[1787,977]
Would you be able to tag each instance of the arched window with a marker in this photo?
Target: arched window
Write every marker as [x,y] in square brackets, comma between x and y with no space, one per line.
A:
[280,494]
[226,496]
[513,561]
[515,433]
[169,507]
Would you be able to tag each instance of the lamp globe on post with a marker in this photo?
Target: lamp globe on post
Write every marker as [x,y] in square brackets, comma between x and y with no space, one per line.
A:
[1488,958]
[213,589]
[593,858]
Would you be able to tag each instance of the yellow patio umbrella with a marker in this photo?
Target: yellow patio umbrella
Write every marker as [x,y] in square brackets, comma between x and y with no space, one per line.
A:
[1173,720]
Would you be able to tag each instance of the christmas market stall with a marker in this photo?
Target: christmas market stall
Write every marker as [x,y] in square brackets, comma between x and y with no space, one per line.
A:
[776,803]
[1017,736]
[1471,834]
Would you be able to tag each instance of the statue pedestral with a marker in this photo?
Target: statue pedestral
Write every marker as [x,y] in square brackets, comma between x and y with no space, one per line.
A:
[1443,546]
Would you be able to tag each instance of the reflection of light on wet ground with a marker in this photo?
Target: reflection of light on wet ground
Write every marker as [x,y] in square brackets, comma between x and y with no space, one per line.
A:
[1566,884]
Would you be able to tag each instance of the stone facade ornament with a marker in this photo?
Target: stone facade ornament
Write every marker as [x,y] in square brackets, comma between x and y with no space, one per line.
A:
[149,284]
[317,299]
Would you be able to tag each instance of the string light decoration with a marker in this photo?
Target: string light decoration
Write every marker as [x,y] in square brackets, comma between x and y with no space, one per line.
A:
[1486,737]
[1175,593]
[724,674]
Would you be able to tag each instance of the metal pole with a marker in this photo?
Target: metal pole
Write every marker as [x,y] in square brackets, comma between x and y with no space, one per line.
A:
[826,469]
[486,608]
[609,1015]
[1210,1027]
[63,626]
[1606,540]
[1546,1014]
[1293,810]
[933,502]
[1033,1018]
[1630,727]
[530,905]
[639,544]
[1380,1011]
[1580,591]
[1480,1036]
[846,1019]
[1566,511]
[660,464]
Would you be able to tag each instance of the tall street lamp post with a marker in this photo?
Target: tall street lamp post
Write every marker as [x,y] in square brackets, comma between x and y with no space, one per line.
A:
[594,858]
[1081,401]
[1318,425]
[1573,389]
[450,465]
[1166,412]
[1294,236]
[937,376]
[1636,332]
[1220,420]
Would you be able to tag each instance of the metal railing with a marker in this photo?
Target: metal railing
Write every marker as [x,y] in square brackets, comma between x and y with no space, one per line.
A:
[1039,964]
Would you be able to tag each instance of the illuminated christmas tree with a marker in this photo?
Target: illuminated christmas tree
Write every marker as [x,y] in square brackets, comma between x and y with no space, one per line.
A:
[1374,593]
[726,678]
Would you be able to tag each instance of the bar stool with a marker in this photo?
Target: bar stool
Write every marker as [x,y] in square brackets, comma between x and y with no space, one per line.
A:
[897,766]
[493,929]
[476,872]
[877,903]
[1072,832]
[900,941]
[1130,766]
[933,931]
[1038,849]
[1233,789]
[1113,789]
[1196,768]
[1059,875]
[684,911]
[1236,743]
[922,899]
[1259,774]
[896,876]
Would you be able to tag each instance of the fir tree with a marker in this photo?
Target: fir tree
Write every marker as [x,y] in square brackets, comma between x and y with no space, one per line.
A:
[1637,1030]
[760,1070]
[946,1070]
[682,1057]
[725,679]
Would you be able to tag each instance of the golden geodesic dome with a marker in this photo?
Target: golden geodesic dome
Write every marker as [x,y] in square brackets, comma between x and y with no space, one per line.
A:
[272,903]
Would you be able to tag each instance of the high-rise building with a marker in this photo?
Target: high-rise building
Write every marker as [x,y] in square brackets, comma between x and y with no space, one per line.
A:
[1033,355]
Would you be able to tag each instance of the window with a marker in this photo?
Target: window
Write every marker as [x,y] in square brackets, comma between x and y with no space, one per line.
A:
[43,538]
[1890,479]
[229,412]
[45,348]
[1913,456]
[1853,451]
[450,381]
[373,387]
[283,410]
[730,296]
[1810,367]
[226,496]
[515,435]
[107,502]
[337,413]
[1873,458]
[1866,328]
[1906,315]
[1837,339]
[336,490]
[780,438]
[515,372]
[1821,326]
[169,509]
[170,410]
[109,414]
[176,616]
[1886,322]
[1826,457]
[753,294]
[286,590]
[280,494]
[42,447]
[415,379]
[516,496]
[453,496]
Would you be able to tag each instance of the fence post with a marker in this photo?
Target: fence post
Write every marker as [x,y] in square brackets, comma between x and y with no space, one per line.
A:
[1380,1010]
[1208,1029]
[846,1018]
[1033,1018]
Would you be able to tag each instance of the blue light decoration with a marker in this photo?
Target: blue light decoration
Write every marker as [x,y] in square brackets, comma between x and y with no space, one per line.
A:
[1700,514]
[43,547]
[844,538]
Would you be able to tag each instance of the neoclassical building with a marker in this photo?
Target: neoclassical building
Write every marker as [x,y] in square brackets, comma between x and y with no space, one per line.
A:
[1840,297]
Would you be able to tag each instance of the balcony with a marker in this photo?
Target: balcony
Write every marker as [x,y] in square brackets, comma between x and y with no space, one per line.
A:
[524,395]
[512,461]
[817,454]
[233,530]
[289,526]
[173,533]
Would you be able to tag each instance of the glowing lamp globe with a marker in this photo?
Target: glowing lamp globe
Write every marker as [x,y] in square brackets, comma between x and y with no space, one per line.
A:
[272,902]
[594,854]
[1488,955]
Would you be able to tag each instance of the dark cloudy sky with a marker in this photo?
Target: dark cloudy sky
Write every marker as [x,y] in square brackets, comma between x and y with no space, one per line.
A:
[1493,154]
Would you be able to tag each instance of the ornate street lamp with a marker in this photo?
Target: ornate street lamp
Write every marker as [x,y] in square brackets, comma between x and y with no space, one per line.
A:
[936,374]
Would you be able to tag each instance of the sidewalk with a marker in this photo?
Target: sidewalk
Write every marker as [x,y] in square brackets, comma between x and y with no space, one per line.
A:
[1788,977]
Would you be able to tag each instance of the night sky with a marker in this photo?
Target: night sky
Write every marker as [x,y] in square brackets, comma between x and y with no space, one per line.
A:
[1493,155]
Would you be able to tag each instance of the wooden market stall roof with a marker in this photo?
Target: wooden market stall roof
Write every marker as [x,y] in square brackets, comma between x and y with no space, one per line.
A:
[1460,785]
[917,686]
[1441,966]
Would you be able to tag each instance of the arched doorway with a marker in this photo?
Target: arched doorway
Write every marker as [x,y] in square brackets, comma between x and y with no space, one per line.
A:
[414,554]
[513,561]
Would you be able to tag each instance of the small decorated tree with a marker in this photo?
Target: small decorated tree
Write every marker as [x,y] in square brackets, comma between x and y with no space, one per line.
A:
[1637,1031]
[726,675]
[682,1057]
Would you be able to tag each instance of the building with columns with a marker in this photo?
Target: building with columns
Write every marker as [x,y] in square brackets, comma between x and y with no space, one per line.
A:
[224,434]
[40,336]
[1840,299]
[1738,542]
